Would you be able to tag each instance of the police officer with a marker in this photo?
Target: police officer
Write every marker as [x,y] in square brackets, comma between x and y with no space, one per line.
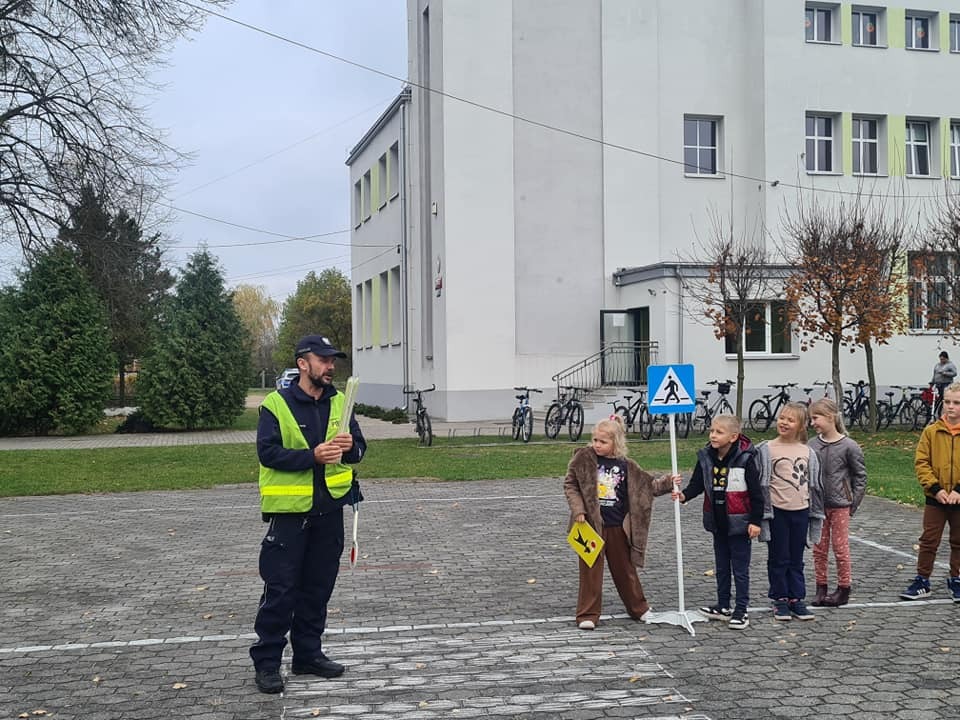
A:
[304,484]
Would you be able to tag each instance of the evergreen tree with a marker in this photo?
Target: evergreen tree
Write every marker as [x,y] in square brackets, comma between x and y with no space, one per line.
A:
[55,362]
[195,373]
[125,267]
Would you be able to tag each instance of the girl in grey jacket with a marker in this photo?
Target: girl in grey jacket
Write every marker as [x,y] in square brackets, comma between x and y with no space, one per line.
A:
[843,474]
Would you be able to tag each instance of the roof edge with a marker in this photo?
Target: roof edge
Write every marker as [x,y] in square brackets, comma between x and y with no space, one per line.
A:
[385,116]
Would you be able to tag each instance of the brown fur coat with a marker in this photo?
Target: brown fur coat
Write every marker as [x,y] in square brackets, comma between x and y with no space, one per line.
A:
[580,487]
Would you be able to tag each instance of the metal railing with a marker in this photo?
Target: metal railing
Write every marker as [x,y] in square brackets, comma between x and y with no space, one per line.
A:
[618,364]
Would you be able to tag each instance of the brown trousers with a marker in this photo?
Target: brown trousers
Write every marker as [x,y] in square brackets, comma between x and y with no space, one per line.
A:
[934,519]
[616,552]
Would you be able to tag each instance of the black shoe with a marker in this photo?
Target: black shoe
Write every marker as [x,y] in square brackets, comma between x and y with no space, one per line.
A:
[320,665]
[269,681]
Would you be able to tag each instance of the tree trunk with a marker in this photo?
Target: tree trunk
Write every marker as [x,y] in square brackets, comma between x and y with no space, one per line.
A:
[122,391]
[872,382]
[740,375]
[835,370]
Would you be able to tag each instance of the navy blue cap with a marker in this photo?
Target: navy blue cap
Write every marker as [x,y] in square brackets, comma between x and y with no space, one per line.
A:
[318,345]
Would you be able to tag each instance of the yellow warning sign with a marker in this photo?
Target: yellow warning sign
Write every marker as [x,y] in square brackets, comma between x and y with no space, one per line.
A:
[585,541]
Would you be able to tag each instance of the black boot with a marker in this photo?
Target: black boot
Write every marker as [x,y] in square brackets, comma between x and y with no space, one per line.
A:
[820,596]
[838,597]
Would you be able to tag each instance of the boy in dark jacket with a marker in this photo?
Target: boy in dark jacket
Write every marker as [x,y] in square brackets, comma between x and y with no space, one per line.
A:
[728,474]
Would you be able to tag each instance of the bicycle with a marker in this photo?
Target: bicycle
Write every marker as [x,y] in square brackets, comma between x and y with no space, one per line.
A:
[424,427]
[856,406]
[764,410]
[906,412]
[522,421]
[566,409]
[632,413]
[704,412]
[659,425]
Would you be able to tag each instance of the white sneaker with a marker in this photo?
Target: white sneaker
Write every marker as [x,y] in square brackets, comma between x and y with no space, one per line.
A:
[586,625]
[646,616]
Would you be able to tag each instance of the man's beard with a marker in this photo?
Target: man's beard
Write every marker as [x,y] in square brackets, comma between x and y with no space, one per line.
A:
[319,382]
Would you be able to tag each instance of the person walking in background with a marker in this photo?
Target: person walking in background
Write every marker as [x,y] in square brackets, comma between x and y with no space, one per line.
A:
[304,485]
[843,475]
[937,462]
[609,491]
[728,474]
[944,373]
[793,510]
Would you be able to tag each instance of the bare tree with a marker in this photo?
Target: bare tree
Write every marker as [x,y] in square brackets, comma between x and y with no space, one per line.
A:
[70,71]
[848,259]
[737,279]
[936,295]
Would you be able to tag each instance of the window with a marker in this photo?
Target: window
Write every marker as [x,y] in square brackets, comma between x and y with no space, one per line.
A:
[701,145]
[382,175]
[865,146]
[918,148]
[819,146]
[366,199]
[866,29]
[929,295]
[396,308]
[368,313]
[359,315]
[819,22]
[766,330]
[393,172]
[357,204]
[918,29]
[954,150]
[954,33]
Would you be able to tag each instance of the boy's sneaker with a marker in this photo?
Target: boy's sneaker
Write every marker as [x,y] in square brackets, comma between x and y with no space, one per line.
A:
[919,588]
[739,619]
[781,610]
[799,610]
[953,585]
[715,612]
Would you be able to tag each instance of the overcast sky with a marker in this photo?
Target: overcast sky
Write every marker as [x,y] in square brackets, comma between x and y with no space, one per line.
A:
[233,96]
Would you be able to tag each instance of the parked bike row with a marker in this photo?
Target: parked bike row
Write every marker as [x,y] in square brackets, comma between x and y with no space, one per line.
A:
[907,407]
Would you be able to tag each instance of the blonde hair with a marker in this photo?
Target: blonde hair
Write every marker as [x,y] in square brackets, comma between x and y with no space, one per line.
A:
[730,422]
[799,412]
[828,408]
[952,387]
[615,428]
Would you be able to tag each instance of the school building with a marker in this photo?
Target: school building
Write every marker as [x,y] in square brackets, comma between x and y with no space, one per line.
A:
[528,210]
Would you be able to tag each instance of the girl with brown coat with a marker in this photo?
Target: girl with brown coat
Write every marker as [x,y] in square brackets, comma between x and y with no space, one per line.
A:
[610,492]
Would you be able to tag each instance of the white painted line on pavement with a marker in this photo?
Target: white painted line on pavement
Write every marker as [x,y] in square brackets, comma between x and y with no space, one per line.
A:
[894,551]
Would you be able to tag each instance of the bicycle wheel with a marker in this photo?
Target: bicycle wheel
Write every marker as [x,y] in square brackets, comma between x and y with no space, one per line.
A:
[905,417]
[660,425]
[919,408]
[861,415]
[884,414]
[683,423]
[575,425]
[551,425]
[427,437]
[517,422]
[759,416]
[701,418]
[725,408]
[526,425]
[646,423]
[624,414]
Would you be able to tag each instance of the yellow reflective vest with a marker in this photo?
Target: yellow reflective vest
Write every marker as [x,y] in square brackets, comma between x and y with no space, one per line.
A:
[286,491]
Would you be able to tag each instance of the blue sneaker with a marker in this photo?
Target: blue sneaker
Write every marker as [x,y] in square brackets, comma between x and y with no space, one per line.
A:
[919,588]
[800,611]
[953,585]
[781,610]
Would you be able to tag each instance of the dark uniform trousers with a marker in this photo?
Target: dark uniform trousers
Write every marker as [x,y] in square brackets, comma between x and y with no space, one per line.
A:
[299,561]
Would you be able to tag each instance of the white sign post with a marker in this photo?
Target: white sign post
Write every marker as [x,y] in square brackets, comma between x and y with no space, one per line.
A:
[672,391]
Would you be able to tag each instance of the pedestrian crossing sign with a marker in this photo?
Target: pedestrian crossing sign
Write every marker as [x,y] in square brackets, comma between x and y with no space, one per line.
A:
[672,389]
[586,542]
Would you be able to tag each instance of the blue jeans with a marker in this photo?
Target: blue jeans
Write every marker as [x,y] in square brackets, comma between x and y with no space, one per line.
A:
[732,553]
[788,540]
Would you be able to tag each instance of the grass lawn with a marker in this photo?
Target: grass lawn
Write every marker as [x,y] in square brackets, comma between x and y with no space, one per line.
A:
[45,472]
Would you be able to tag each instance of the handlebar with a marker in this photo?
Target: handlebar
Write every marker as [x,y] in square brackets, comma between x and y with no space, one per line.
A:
[526,389]
[717,382]
[783,386]
[407,391]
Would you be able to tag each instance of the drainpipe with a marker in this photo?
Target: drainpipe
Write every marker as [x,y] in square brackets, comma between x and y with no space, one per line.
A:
[679,313]
[404,280]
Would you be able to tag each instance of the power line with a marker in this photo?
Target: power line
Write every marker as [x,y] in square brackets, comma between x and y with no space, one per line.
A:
[283,149]
[261,231]
[521,118]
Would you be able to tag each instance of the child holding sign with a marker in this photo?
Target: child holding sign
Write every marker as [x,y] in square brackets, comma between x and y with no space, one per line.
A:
[610,492]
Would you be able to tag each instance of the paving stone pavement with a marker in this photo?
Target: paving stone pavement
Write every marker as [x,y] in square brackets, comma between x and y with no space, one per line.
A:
[140,605]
